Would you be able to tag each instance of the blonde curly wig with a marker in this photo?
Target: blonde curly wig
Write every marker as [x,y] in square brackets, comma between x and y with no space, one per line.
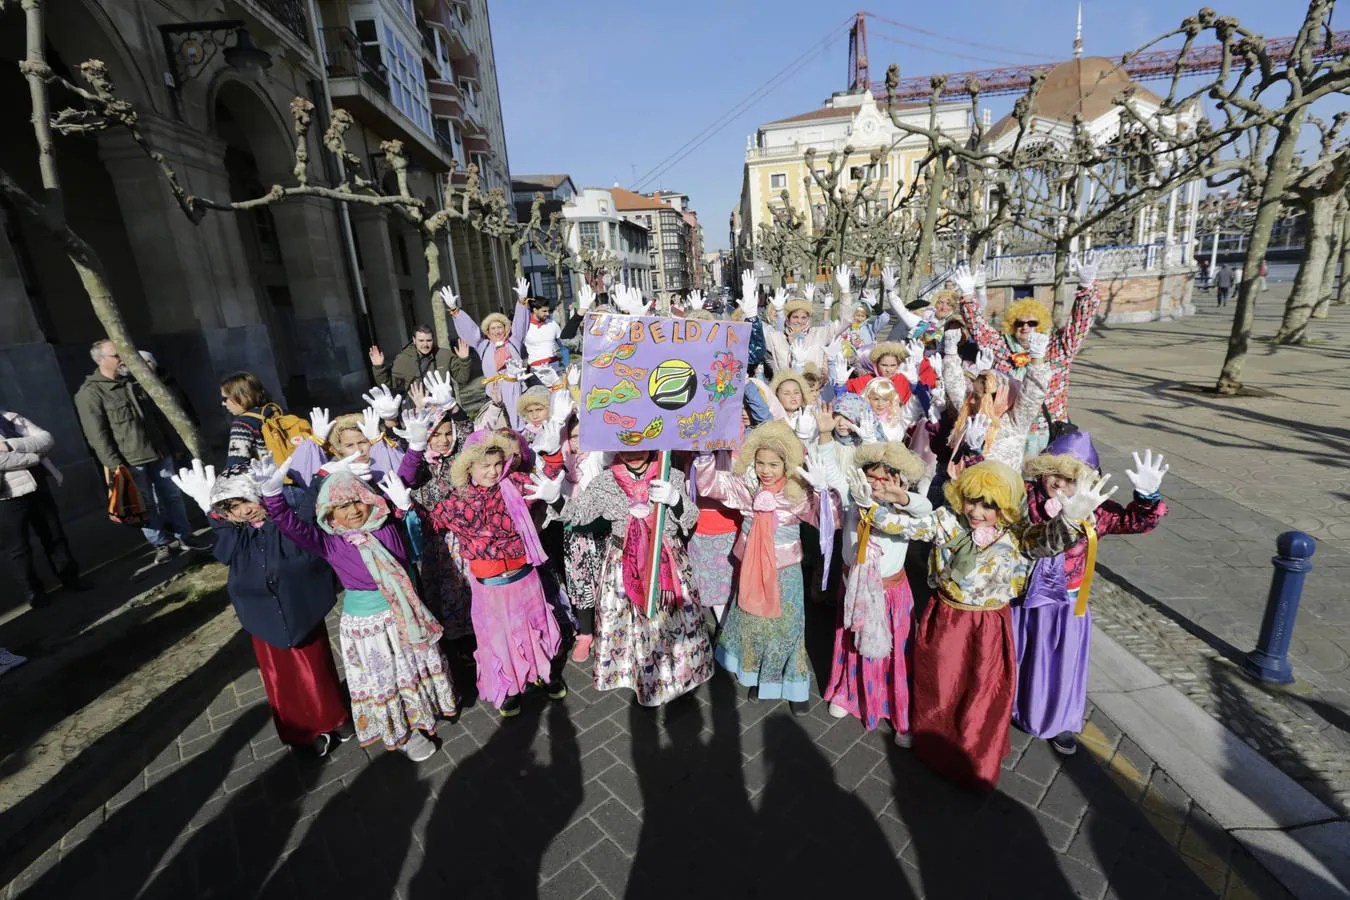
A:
[894,455]
[494,317]
[993,482]
[887,348]
[779,438]
[497,443]
[1026,309]
[341,425]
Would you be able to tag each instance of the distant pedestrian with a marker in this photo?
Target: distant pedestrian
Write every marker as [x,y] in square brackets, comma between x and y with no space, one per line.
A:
[1261,274]
[123,428]
[1223,280]
[1204,274]
[27,503]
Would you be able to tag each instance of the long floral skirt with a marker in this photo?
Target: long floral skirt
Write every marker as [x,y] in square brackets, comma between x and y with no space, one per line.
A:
[517,636]
[875,689]
[660,658]
[964,674]
[445,584]
[714,566]
[770,653]
[395,687]
[585,555]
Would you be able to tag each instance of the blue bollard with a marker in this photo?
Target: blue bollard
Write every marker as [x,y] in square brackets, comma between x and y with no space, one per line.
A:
[1270,660]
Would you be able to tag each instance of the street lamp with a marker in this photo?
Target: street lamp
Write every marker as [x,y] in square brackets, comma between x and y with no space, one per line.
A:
[190,47]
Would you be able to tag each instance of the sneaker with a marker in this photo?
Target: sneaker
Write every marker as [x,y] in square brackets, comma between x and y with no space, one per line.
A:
[904,740]
[322,744]
[557,689]
[10,660]
[799,707]
[187,545]
[419,747]
[838,712]
[582,650]
[162,554]
[752,694]
[345,732]
[510,706]
[1065,744]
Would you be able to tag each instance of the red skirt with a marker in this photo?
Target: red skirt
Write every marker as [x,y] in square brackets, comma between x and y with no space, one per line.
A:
[964,671]
[302,688]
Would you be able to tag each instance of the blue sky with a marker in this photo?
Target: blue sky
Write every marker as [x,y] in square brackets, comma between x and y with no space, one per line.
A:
[605,90]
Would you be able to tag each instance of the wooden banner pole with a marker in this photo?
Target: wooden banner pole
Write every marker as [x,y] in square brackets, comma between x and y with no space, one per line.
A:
[654,563]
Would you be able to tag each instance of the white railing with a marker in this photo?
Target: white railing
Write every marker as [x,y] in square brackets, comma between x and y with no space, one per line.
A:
[1130,259]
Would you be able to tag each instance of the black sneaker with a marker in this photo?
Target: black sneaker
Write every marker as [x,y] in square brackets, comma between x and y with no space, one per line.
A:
[322,744]
[557,689]
[188,545]
[163,554]
[1065,744]
[345,732]
[510,706]
[799,707]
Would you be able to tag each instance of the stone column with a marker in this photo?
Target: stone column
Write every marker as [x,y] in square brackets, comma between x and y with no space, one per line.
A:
[377,274]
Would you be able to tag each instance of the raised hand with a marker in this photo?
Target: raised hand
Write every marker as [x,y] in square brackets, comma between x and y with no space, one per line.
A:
[320,423]
[560,407]
[984,360]
[867,424]
[385,403]
[1036,344]
[814,476]
[585,297]
[376,355]
[663,492]
[462,348]
[547,375]
[574,376]
[351,464]
[964,280]
[779,300]
[418,395]
[1088,263]
[547,490]
[416,429]
[268,476]
[440,390]
[909,367]
[1148,473]
[869,298]
[449,299]
[749,284]
[197,483]
[888,279]
[1083,504]
[843,276]
[396,491]
[809,292]
[695,300]
[522,289]
[860,489]
[977,428]
[371,425]
[515,370]
[549,438]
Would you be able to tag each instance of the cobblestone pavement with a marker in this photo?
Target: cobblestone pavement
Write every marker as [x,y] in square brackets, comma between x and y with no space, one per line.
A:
[1242,471]
[595,797]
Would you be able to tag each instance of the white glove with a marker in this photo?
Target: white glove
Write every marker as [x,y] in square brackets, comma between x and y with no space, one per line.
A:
[268,476]
[984,360]
[574,376]
[815,476]
[888,279]
[867,424]
[1085,500]
[1148,474]
[915,350]
[515,370]
[198,481]
[964,280]
[695,300]
[359,469]
[591,466]
[1036,344]
[522,289]
[749,284]
[663,492]
[547,375]
[585,297]
[951,341]
[370,425]
[449,299]
[860,489]
[910,367]
[779,300]
[560,407]
[980,277]
[547,490]
[385,403]
[869,299]
[320,423]
[416,429]
[977,428]
[842,276]
[440,392]
[396,491]
[1087,268]
[549,438]
[809,292]
[749,301]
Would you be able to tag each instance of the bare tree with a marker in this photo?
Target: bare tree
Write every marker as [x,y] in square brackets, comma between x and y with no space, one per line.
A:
[1318,190]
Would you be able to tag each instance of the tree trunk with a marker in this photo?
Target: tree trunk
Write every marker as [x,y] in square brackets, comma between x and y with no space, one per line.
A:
[923,255]
[1311,269]
[1343,292]
[1268,210]
[1060,312]
[1338,227]
[439,320]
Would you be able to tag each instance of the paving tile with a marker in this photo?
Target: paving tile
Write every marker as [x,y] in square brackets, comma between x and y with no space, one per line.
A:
[1039,763]
[1065,800]
[572,844]
[610,865]
[622,827]
[569,884]
[620,781]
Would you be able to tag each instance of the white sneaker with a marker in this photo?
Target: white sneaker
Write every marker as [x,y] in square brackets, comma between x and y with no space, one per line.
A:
[904,740]
[10,660]
[838,712]
[419,747]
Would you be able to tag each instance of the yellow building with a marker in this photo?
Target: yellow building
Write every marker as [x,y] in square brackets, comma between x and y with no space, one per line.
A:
[775,157]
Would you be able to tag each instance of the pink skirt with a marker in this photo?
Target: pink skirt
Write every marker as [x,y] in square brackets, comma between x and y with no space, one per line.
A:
[875,689]
[517,637]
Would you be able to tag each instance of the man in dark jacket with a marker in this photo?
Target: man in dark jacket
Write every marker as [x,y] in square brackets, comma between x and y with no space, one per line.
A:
[421,357]
[123,428]
[1223,282]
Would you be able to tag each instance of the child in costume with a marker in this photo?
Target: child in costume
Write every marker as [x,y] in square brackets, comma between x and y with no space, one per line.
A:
[799,342]
[487,511]
[498,344]
[791,391]
[666,655]
[396,675]
[964,663]
[1012,353]
[994,416]
[762,641]
[869,679]
[583,548]
[445,574]
[1052,624]
[281,594]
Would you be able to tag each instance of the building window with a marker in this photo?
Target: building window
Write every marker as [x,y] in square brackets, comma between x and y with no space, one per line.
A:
[857,173]
[590,235]
[407,81]
[778,181]
[408,10]
[604,207]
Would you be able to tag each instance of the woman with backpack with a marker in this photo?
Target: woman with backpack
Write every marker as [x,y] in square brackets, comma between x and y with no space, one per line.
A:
[246,398]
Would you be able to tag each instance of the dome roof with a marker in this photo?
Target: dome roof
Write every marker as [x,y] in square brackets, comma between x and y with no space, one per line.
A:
[1084,85]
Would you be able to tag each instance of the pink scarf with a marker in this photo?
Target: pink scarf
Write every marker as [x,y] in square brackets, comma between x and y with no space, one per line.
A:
[520,517]
[637,542]
[757,589]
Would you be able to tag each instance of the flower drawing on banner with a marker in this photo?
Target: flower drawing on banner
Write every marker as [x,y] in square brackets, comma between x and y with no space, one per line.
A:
[653,430]
[725,378]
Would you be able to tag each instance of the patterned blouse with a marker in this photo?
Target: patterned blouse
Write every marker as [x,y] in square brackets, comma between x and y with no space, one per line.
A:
[1064,344]
[1001,569]
[479,518]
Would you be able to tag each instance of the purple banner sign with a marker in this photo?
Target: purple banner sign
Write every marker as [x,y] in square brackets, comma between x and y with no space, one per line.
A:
[658,383]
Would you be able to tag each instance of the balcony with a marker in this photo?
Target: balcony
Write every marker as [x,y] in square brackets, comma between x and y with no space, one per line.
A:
[446,100]
[288,13]
[457,44]
[359,84]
